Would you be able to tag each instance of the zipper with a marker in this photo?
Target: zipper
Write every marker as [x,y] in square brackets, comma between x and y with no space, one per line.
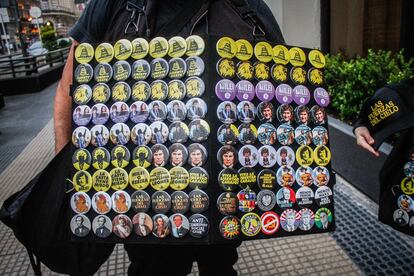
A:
[198,20]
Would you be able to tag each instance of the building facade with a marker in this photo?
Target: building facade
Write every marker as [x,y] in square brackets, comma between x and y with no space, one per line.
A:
[61,13]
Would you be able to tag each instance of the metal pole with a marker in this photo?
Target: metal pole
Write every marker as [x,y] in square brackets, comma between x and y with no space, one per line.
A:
[5,35]
[38,29]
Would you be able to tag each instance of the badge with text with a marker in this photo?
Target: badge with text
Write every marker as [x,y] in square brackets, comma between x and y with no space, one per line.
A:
[160,202]
[160,179]
[227,203]
[180,202]
[199,201]
[250,224]
[119,178]
[141,201]
[229,227]
[101,181]
[139,178]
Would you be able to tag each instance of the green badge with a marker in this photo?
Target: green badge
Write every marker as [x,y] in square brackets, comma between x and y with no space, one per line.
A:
[160,179]
[101,180]
[139,178]
[179,178]
[119,179]
[140,48]
[82,181]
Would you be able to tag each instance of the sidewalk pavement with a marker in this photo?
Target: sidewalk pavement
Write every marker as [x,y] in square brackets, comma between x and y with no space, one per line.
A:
[360,245]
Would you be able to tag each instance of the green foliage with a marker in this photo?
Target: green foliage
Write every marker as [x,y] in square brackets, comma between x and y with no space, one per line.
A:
[48,37]
[352,82]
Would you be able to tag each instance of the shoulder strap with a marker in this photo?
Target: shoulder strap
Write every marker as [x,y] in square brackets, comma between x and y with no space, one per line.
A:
[36,264]
[247,14]
[405,90]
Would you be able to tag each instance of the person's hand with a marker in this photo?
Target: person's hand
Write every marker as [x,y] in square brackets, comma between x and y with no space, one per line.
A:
[365,140]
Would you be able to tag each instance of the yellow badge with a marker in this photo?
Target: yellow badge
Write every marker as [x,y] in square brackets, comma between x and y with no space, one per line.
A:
[176,90]
[315,77]
[82,94]
[297,56]
[279,73]
[251,224]
[195,87]
[84,53]
[142,156]
[159,90]
[100,158]
[177,47]
[81,159]
[226,47]
[317,59]
[158,47]
[101,180]
[261,71]
[226,68]
[141,91]
[407,186]
[123,49]
[120,156]
[304,156]
[121,92]
[322,155]
[82,181]
[244,49]
[298,75]
[160,179]
[179,178]
[245,70]
[139,178]
[101,93]
[263,51]
[195,45]
[140,48]
[281,55]
[104,52]
[119,179]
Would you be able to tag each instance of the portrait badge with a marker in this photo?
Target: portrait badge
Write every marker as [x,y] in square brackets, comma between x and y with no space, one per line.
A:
[122,226]
[405,203]
[306,219]
[401,217]
[100,136]
[409,169]
[227,156]
[80,225]
[143,224]
[285,197]
[178,132]
[289,220]
[304,156]
[321,176]
[285,134]
[102,226]
[267,156]
[285,176]
[81,137]
[178,154]
[100,158]
[120,134]
[121,202]
[80,203]
[81,159]
[138,112]
[160,155]
[82,115]
[101,203]
[246,111]
[285,156]
[160,133]
[318,115]
[247,134]
[179,225]
[100,114]
[266,112]
[197,155]
[162,226]
[322,155]
[227,112]
[284,114]
[199,130]
[302,115]
[157,111]
[120,156]
[177,111]
[228,134]
[142,156]
[323,218]
[248,156]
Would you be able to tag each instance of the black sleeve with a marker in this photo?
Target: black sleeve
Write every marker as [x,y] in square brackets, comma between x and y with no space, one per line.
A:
[92,24]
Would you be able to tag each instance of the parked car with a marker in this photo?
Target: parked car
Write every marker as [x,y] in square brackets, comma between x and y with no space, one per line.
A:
[36,49]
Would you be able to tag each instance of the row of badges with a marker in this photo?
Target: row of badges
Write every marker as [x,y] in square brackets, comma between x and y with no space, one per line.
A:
[161,226]
[139,48]
[140,91]
[269,223]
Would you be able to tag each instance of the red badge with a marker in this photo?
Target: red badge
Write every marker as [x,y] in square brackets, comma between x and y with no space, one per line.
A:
[270,223]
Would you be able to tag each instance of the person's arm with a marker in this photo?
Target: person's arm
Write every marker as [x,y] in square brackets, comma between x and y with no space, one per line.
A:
[365,140]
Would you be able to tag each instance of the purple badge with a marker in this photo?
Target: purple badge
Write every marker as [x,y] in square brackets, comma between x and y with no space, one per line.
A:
[226,90]
[301,95]
[245,90]
[265,90]
[284,94]
[321,97]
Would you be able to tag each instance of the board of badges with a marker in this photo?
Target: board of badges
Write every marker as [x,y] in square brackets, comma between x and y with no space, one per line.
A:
[199,140]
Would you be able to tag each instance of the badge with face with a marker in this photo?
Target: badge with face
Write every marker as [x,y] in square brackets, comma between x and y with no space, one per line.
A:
[298,75]
[285,197]
[315,77]
[82,94]
[302,115]
[247,200]
[227,203]
[159,68]
[304,156]
[123,49]
[301,95]
[160,178]
[180,225]
[266,134]
[84,53]
[226,112]
[279,73]
[226,68]
[141,91]
[320,176]
[162,226]
[121,92]
[303,135]
[323,218]
[199,201]
[120,156]
[159,90]
[102,226]
[81,137]
[266,179]
[141,134]
[407,186]
[177,47]
[285,176]
[178,132]
[285,134]
[289,220]
[139,178]
[227,134]
[161,202]
[101,180]
[100,136]
[158,47]
[198,178]
[266,200]
[250,224]
[122,70]
[176,90]
[247,134]
[178,68]
[100,114]
[103,72]
[244,49]
[119,179]
[229,227]
[101,93]
[197,155]
[179,178]
[178,154]
[138,112]
[321,97]
[195,66]
[228,179]
[81,159]
[246,111]
[261,71]
[304,197]
[227,156]
[265,112]
[406,203]
[323,196]
[225,90]
[409,169]
[195,87]
[141,201]
[177,111]
[142,156]
[245,70]
[319,136]
[226,47]
[80,203]
[304,176]
[322,155]
[140,70]
[267,156]
[100,158]
[80,225]
[401,217]
[318,115]
[196,108]
[101,203]
[265,91]
[83,73]
[247,177]
[160,155]
[119,112]
[306,219]
[82,115]
[143,224]
[122,226]
[195,45]
[157,111]
[121,202]
[199,130]
[317,59]
[180,202]
[199,226]
[120,134]
[285,156]
[285,114]
[140,48]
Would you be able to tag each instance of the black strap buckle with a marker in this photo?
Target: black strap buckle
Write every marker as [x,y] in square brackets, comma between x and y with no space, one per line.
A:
[137,11]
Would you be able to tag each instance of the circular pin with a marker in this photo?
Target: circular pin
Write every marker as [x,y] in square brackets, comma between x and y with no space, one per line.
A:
[317,59]
[409,169]
[226,47]
[199,201]
[285,176]
[176,90]
[228,179]
[121,202]
[315,77]
[142,156]
[160,156]
[139,178]
[120,156]
[318,115]
[123,49]
[138,112]
[122,226]
[320,136]
[180,225]
[82,181]
[261,71]
[306,219]
[80,203]
[247,177]
[120,134]
[100,114]
[195,45]
[247,200]
[160,178]
[100,158]
[180,202]
[265,112]
[162,226]
[195,66]
[177,47]
[281,55]
[225,90]
[226,68]
[322,155]
[266,200]
[141,134]
[323,218]
[226,112]
[121,91]
[298,75]
[401,217]
[122,70]
[119,112]
[81,137]
[227,134]
[284,114]
[285,156]
[245,70]
[227,203]
[263,51]
[199,226]
[159,90]
[159,68]
[246,112]
[297,56]
[82,115]
[82,94]
[178,154]
[244,49]
[270,223]
[100,136]
[141,201]
[157,111]
[160,133]
[178,68]
[158,47]
[265,90]
[302,115]
[250,224]
[321,176]
[195,87]
[321,97]
[304,176]
[140,70]
[198,178]
[196,109]
[323,196]
[178,132]
[179,178]
[161,202]
[304,197]
[227,156]
[101,181]
[303,135]
[141,91]
[266,179]
[301,95]
[199,130]
[285,134]
[101,203]
[80,226]
[140,48]
[289,220]
[245,90]
[84,53]
[143,224]
[247,134]
[304,156]
[229,227]
[266,134]
[103,72]
[279,73]
[102,226]
[177,111]
[81,159]
[284,94]
[83,73]
[119,178]
[248,156]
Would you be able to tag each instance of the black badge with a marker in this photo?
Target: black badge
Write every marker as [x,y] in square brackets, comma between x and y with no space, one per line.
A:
[248,177]
[103,72]
[226,68]
[266,200]
[227,156]
[195,66]
[198,178]
[227,203]
[141,201]
[180,202]
[159,68]
[140,70]
[178,68]
[160,202]
[199,201]
[83,73]
[267,179]
[245,70]
[199,226]
[122,70]
[229,179]
[178,154]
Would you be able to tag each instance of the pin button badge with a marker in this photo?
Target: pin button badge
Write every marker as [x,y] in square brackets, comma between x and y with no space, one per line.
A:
[284,94]
[323,196]
[178,132]
[298,75]
[279,73]
[248,134]
[100,114]
[321,97]
[199,201]
[227,203]
[265,112]
[103,72]
[315,77]
[304,156]
[226,68]
[227,156]
[159,90]
[159,68]
[267,135]
[306,219]
[100,158]
[160,133]
[247,200]
[179,225]
[322,155]
[285,134]
[302,115]
[121,92]
[120,156]
[285,176]
[226,47]
[176,90]
[160,179]
[195,87]
[140,48]
[247,177]
[180,202]
[81,137]
[139,178]
[160,158]
[122,70]
[317,59]
[158,47]
[84,53]
[227,134]
[83,73]
[122,226]
[195,45]
[120,134]
[82,94]
[138,112]
[123,49]
[80,226]
[318,115]
[101,93]
[281,55]
[161,202]
[119,178]
[162,226]
[270,223]
[321,176]
[303,135]
[82,115]
[304,176]
[102,226]
[119,112]
[81,159]
[244,50]
[143,224]
[179,178]
[297,56]
[405,203]
[225,90]
[177,111]
[263,51]
[177,47]
[141,201]
[226,112]
[320,136]
[409,169]
[121,202]
[100,136]
[401,217]
[199,226]
[199,130]
[285,156]
[301,95]
[304,197]
[142,156]
[101,181]
[266,200]
[285,114]
[195,66]
[141,134]
[266,179]
[82,181]
[261,71]
[80,203]
[248,156]
[178,154]
[245,70]
[198,178]
[157,111]
[178,68]
[250,224]
[323,218]
[289,220]
[228,179]
[196,109]
[141,91]
[141,70]
[245,91]
[246,112]
[265,91]
[229,227]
